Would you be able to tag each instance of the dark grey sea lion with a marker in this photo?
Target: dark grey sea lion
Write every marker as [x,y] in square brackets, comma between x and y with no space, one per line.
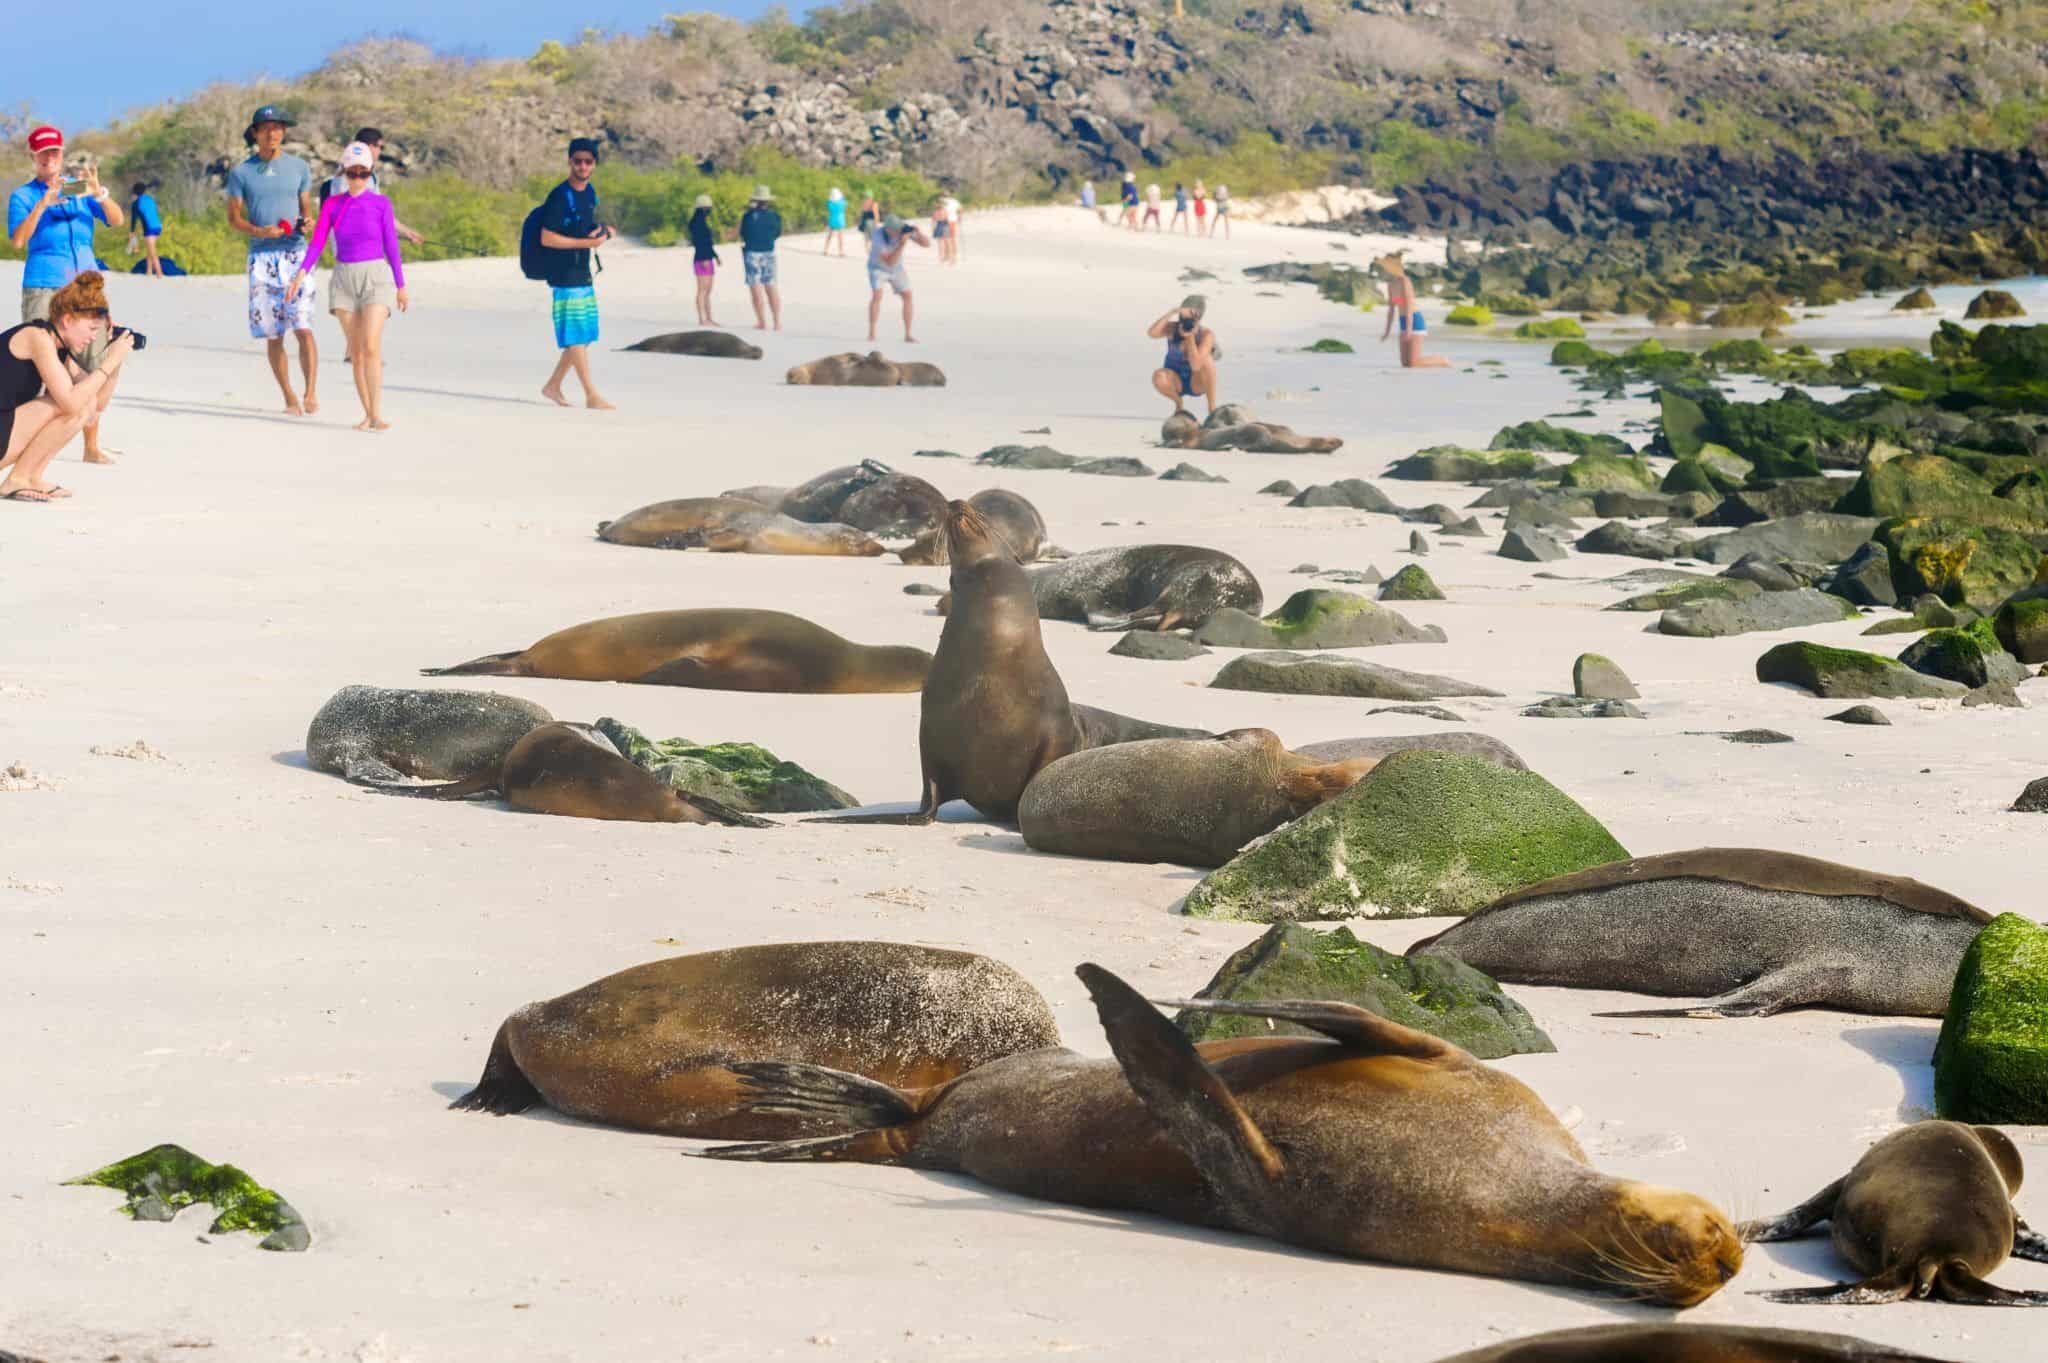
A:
[727,525]
[1015,519]
[895,506]
[1155,586]
[375,733]
[721,345]
[1927,1212]
[1688,1344]
[820,498]
[761,494]
[1760,931]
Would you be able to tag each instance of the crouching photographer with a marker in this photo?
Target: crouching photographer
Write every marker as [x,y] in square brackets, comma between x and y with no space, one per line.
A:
[47,398]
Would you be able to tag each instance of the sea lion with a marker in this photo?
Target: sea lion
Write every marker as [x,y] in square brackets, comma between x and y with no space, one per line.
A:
[1196,802]
[1016,522]
[716,650]
[573,769]
[1155,586]
[726,525]
[1927,1212]
[760,494]
[897,506]
[646,1048]
[1381,1142]
[1101,728]
[871,370]
[1265,437]
[819,498]
[1761,931]
[717,344]
[375,733]
[1688,1344]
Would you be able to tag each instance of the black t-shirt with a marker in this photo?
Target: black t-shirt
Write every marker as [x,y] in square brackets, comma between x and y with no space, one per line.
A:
[569,214]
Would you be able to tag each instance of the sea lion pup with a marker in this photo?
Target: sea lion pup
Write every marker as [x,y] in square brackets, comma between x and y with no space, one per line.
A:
[1760,931]
[1380,1143]
[727,525]
[1150,586]
[647,1048]
[1016,521]
[573,769]
[1192,801]
[721,345]
[1927,1212]
[716,650]
[376,733]
[1688,1344]
[871,370]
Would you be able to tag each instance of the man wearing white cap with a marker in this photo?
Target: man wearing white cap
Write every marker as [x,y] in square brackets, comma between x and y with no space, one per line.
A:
[886,245]
[760,226]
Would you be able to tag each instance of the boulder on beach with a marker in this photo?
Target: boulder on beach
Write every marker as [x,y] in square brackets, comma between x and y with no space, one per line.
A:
[1528,545]
[1158,647]
[1597,472]
[1541,435]
[1930,485]
[1991,1060]
[1122,466]
[1329,674]
[1690,591]
[1920,300]
[165,1179]
[2022,626]
[1481,746]
[1597,677]
[1849,674]
[1026,457]
[1580,707]
[1752,614]
[1619,537]
[1860,714]
[1355,493]
[1279,487]
[1970,654]
[1809,537]
[1412,583]
[744,776]
[1974,565]
[1185,472]
[1783,498]
[1316,617]
[1865,577]
[1991,305]
[1457,464]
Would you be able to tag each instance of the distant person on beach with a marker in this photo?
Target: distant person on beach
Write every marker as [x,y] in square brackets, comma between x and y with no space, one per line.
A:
[886,246]
[951,253]
[51,221]
[145,226]
[1402,308]
[1201,209]
[338,182]
[870,213]
[760,228]
[46,396]
[835,221]
[1129,216]
[1190,366]
[1180,208]
[1222,223]
[368,279]
[569,232]
[270,201]
[1152,206]
[704,258]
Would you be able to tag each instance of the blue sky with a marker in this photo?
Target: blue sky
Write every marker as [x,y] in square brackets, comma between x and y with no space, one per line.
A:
[81,67]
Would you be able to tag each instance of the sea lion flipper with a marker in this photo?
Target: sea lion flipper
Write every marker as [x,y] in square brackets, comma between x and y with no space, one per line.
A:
[483,783]
[503,1088]
[1957,1284]
[1189,1100]
[853,1100]
[1795,1223]
[490,665]
[1356,1028]
[927,811]
[2028,1243]
[1895,1284]
[365,770]
[726,814]
[1766,995]
[859,1147]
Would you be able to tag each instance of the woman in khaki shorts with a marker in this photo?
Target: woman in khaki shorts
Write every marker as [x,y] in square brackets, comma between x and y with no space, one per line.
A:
[368,278]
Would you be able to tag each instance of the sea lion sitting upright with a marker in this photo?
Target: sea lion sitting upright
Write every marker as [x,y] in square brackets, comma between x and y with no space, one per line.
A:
[1192,801]
[376,733]
[1760,931]
[716,650]
[1381,1142]
[1927,1212]
[1152,586]
[717,344]
[1688,1344]
[647,1048]
[727,525]
[1016,522]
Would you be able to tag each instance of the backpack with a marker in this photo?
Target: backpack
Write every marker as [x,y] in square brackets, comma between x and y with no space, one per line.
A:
[533,257]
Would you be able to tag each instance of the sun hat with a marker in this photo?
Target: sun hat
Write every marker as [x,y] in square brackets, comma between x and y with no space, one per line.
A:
[1131,175]
[763,194]
[271,113]
[892,223]
[837,195]
[358,155]
[43,139]
[703,201]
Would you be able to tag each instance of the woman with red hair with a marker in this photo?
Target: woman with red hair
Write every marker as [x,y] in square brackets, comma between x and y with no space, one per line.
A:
[46,397]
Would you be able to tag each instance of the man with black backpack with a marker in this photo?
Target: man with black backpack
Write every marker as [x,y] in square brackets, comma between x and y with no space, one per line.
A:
[556,245]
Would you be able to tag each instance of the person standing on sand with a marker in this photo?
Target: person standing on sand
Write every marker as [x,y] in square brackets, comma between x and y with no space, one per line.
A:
[46,397]
[885,266]
[1088,199]
[368,279]
[270,201]
[1129,216]
[1190,366]
[835,221]
[704,265]
[1180,208]
[951,253]
[1222,223]
[870,213]
[569,231]
[1401,305]
[760,227]
[146,225]
[1201,209]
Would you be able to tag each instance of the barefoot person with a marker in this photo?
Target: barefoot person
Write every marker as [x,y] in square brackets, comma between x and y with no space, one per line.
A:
[1190,366]
[885,266]
[46,396]
[835,221]
[270,201]
[1222,223]
[1152,206]
[1180,209]
[52,224]
[1401,307]
[704,257]
[569,231]
[953,233]
[1129,216]
[1201,209]
[760,229]
[146,226]
[368,279]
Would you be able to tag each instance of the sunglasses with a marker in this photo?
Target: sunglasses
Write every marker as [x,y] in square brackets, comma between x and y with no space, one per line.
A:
[355,174]
[583,160]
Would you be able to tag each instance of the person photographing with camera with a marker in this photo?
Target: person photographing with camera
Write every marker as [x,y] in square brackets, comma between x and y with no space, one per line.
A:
[1190,366]
[46,396]
[51,220]
[270,201]
[569,232]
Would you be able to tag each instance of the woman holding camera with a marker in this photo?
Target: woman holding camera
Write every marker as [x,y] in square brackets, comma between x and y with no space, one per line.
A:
[46,397]
[368,279]
[1190,367]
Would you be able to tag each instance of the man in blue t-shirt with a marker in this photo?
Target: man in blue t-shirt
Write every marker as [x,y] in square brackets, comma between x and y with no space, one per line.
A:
[760,227]
[568,231]
[53,222]
[270,201]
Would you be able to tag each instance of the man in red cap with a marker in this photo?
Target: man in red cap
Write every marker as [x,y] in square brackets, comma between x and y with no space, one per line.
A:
[53,224]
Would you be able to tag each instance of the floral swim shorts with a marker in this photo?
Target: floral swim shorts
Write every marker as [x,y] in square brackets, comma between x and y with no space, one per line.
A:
[270,316]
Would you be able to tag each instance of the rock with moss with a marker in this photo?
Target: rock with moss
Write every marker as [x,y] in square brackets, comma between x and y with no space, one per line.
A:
[1412,583]
[1457,464]
[1991,1061]
[1849,674]
[2022,626]
[1333,674]
[1470,315]
[1354,493]
[1917,301]
[1440,995]
[1689,592]
[745,776]
[1573,353]
[1811,537]
[1757,312]
[1329,345]
[1767,611]
[1993,305]
[165,1179]
[1690,475]
[1930,485]
[1594,472]
[1316,617]
[1970,654]
[1963,564]
[1541,435]
[1550,329]
[1423,833]
[1598,677]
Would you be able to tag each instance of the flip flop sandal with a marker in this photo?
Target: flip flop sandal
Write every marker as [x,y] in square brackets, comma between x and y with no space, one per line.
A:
[26,494]
[56,492]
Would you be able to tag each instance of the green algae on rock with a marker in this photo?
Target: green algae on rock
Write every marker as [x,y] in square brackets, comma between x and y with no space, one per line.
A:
[1328,345]
[1423,833]
[1993,303]
[1930,485]
[1440,995]
[163,1180]
[1412,583]
[1963,564]
[1608,472]
[1550,329]
[1683,593]
[1848,673]
[743,775]
[1541,435]
[1470,315]
[1991,1062]
[1457,464]
[1316,617]
[1971,654]
[2022,626]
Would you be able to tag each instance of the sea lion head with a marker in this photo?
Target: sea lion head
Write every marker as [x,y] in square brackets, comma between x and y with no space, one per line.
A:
[970,539]
[1665,1245]
[2004,1154]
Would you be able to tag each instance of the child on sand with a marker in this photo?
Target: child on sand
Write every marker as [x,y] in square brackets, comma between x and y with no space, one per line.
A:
[1180,208]
[1201,209]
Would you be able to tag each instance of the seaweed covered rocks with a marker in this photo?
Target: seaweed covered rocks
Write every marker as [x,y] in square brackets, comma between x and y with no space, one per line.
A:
[1991,1063]
[1315,617]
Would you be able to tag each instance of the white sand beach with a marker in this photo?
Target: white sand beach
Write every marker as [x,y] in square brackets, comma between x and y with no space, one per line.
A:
[226,949]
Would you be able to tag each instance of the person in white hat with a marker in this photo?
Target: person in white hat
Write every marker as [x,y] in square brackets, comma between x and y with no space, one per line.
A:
[704,245]
[368,279]
[760,226]
[1129,217]
[886,245]
[835,221]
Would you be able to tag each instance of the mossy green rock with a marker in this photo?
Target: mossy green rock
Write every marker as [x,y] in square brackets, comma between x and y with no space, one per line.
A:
[1760,312]
[1970,654]
[1602,472]
[1470,315]
[1685,593]
[1992,304]
[165,1179]
[745,776]
[1690,475]
[1848,673]
[1329,346]
[1411,584]
[1541,435]
[1929,485]
[1917,301]
[1424,833]
[2023,628]
[1573,353]
[1551,329]
[1991,1062]
[1440,995]
[1316,617]
[1458,464]
[1973,565]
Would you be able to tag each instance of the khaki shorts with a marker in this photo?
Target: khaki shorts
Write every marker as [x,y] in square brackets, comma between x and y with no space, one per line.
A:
[35,307]
[363,284]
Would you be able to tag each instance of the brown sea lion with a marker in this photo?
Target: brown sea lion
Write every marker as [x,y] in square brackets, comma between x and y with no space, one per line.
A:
[573,769]
[1927,1212]
[1380,1143]
[871,370]
[1761,931]
[716,650]
[1016,522]
[1196,802]
[726,525]
[1100,728]
[763,495]
[647,1048]
[1688,1344]
[376,733]
[717,344]
[1265,437]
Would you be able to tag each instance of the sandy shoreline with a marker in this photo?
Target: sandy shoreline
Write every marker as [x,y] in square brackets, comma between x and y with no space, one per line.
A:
[230,951]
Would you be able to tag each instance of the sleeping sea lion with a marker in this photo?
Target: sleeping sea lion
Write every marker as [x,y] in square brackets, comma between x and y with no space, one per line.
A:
[1192,801]
[897,506]
[376,733]
[573,769]
[1156,586]
[1381,1142]
[819,498]
[1016,522]
[1927,1212]
[1265,437]
[763,495]
[871,370]
[647,1048]
[718,344]
[1760,931]
[1688,1344]
[716,650]
[726,525]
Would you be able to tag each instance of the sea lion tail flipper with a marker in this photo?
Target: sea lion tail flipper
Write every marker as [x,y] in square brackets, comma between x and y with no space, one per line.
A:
[853,1100]
[927,811]
[503,1088]
[1894,1284]
[1189,1100]
[1760,998]
[1799,1221]
[490,665]
[483,783]
[726,814]
[1152,618]
[2028,1243]
[364,770]
[1357,1029]
[1955,1283]
[858,1147]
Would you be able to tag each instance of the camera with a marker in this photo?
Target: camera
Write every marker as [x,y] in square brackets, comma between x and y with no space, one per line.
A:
[141,341]
[1185,326]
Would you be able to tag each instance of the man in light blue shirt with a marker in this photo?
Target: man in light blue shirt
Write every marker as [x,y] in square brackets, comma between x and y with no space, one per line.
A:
[270,201]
